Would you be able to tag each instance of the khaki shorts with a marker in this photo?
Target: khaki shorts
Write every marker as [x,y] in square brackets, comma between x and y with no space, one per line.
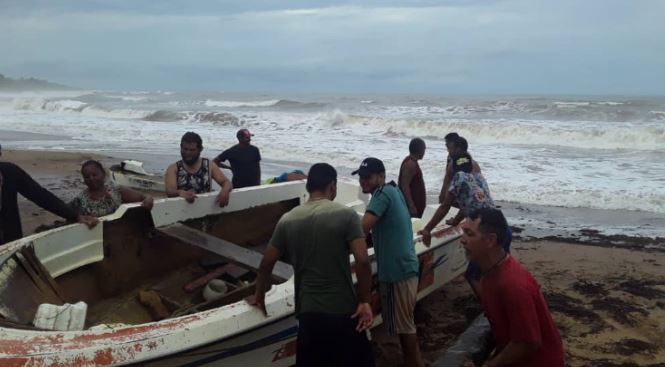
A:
[397,302]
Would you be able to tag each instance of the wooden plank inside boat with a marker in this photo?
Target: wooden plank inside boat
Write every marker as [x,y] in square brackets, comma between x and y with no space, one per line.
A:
[236,254]
[24,285]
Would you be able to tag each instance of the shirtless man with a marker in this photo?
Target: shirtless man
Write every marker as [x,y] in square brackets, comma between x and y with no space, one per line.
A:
[411,181]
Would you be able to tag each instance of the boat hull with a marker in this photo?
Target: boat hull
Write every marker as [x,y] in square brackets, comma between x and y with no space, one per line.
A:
[232,335]
[139,182]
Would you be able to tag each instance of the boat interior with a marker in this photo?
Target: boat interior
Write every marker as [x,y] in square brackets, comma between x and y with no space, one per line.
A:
[149,273]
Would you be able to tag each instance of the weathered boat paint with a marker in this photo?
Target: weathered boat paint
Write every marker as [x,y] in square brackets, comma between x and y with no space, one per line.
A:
[233,335]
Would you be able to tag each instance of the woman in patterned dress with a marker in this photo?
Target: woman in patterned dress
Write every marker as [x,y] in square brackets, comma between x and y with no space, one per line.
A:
[469,189]
[102,198]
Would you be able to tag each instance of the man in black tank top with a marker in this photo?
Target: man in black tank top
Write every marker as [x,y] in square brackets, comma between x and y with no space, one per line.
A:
[192,175]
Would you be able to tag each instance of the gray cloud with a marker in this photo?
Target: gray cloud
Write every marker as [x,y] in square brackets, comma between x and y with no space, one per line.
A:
[469,47]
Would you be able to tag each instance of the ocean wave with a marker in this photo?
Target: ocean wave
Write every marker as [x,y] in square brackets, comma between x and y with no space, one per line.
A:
[657,115]
[540,108]
[422,109]
[113,113]
[571,104]
[87,109]
[223,118]
[166,116]
[215,117]
[40,104]
[597,136]
[280,103]
[236,104]
[92,98]
[579,198]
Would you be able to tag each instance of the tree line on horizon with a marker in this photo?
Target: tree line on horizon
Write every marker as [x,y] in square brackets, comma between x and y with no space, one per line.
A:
[27,84]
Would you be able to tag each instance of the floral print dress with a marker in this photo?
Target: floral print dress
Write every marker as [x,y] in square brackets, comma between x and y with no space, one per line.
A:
[85,205]
[471,191]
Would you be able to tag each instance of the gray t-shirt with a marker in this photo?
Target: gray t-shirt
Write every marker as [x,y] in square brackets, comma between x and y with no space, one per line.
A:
[315,238]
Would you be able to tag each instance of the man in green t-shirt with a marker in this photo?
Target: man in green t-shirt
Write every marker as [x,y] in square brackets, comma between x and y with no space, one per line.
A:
[388,217]
[317,238]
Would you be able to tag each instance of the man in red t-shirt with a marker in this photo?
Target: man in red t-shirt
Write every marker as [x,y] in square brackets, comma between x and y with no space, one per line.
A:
[522,326]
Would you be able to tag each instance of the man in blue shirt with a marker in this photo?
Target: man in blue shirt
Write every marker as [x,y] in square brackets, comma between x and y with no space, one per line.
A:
[388,217]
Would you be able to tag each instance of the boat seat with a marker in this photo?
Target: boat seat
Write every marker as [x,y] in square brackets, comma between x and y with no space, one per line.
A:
[236,254]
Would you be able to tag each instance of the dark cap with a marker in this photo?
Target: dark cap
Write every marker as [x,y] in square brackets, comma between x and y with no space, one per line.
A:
[244,134]
[370,166]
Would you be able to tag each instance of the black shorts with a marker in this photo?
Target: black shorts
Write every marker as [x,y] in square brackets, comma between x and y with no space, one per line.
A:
[331,340]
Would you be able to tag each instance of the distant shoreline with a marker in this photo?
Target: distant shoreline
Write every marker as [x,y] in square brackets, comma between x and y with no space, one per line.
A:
[30,84]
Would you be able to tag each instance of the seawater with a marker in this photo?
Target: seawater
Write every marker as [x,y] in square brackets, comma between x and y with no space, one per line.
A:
[590,152]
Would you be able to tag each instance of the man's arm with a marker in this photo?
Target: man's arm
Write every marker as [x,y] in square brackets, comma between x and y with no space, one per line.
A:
[457,220]
[132,196]
[226,186]
[364,278]
[223,156]
[363,269]
[440,213]
[258,158]
[263,282]
[171,185]
[524,326]
[406,176]
[171,181]
[446,183]
[368,222]
[34,192]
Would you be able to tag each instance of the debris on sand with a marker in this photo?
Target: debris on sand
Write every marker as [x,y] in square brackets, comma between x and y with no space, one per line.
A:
[571,307]
[642,288]
[619,310]
[629,347]
[590,288]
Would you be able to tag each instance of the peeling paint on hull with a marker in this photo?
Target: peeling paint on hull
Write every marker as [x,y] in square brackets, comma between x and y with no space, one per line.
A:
[233,335]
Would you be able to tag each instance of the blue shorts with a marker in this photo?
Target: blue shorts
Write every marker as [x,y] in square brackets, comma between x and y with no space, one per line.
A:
[473,271]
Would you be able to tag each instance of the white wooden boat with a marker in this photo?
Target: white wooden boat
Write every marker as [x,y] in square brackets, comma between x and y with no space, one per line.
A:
[130,173]
[163,250]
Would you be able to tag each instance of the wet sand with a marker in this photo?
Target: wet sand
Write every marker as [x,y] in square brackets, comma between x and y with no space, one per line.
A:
[608,302]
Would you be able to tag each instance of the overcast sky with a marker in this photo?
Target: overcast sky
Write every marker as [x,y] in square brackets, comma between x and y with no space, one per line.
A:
[429,47]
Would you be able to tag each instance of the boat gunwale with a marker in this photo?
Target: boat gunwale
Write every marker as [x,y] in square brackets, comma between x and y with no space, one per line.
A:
[45,344]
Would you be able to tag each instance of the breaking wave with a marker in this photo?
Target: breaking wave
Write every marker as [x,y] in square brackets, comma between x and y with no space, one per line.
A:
[282,103]
[40,104]
[647,136]
[235,104]
[608,111]
[87,109]
[224,118]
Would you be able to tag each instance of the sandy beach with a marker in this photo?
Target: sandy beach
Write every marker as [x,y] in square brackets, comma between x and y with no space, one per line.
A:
[609,303]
